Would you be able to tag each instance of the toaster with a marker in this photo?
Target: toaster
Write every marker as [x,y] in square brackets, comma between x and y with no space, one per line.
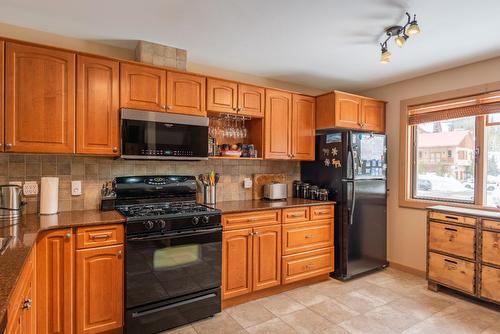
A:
[275,191]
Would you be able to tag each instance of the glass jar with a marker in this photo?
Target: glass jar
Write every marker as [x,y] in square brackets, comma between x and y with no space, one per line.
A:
[323,195]
[304,190]
[296,188]
[314,192]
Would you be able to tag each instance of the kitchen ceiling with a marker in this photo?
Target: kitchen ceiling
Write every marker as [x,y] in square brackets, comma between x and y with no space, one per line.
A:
[324,44]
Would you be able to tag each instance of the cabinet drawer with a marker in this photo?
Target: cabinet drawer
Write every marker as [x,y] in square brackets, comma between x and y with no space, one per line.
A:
[448,217]
[305,265]
[301,237]
[97,236]
[490,283]
[250,219]
[491,224]
[491,247]
[321,212]
[295,215]
[452,272]
[452,239]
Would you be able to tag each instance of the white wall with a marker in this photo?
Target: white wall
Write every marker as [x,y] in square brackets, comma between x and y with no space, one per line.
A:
[407,227]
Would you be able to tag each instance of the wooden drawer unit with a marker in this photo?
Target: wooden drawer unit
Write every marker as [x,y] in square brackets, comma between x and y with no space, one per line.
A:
[251,219]
[305,265]
[451,271]
[491,248]
[97,236]
[490,283]
[491,224]
[447,217]
[452,239]
[321,212]
[295,215]
[301,237]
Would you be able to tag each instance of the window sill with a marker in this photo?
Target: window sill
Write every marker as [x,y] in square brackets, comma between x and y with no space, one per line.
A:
[424,204]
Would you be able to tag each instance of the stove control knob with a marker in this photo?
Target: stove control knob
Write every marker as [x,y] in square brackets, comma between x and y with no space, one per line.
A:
[149,225]
[205,219]
[161,224]
[195,220]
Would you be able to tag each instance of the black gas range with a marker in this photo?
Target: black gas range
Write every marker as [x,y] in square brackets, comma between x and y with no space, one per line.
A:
[173,252]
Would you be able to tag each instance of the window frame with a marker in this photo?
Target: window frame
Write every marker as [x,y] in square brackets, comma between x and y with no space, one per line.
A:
[406,161]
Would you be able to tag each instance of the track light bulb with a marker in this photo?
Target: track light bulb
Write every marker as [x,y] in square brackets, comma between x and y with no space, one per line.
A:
[385,57]
[413,28]
[400,41]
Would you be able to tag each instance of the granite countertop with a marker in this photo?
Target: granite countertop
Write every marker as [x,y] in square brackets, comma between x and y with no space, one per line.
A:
[23,236]
[466,211]
[257,205]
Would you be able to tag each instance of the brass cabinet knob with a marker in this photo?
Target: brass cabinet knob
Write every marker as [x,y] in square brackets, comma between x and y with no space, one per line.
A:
[169,107]
[163,106]
[119,253]
[68,236]
[115,149]
[8,145]
[27,304]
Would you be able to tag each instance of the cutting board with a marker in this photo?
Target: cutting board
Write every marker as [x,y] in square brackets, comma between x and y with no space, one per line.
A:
[259,180]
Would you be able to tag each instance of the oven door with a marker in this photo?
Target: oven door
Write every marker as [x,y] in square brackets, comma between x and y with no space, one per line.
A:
[156,135]
[163,267]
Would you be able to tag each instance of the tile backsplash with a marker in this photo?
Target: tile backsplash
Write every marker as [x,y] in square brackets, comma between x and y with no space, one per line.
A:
[94,171]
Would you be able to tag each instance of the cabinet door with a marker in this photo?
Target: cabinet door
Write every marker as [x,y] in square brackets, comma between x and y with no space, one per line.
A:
[490,283]
[54,289]
[277,124]
[347,111]
[251,100]
[266,257]
[99,289]
[39,100]
[303,127]
[97,106]
[373,115]
[2,47]
[186,94]
[222,96]
[236,263]
[142,87]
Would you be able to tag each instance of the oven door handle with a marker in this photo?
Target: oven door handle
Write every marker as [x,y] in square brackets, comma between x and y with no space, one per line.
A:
[175,235]
[166,307]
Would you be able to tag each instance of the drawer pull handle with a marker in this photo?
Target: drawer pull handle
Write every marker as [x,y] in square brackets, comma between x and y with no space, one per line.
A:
[27,304]
[251,219]
[295,215]
[450,261]
[309,236]
[451,229]
[451,217]
[451,265]
[100,236]
[322,212]
[309,266]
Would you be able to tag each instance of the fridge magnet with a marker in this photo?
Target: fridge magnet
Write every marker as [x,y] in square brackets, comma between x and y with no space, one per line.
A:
[327,162]
[326,152]
[336,163]
[334,152]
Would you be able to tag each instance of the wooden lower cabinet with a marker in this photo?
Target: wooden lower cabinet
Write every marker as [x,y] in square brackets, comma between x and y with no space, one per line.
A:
[21,311]
[490,279]
[236,263]
[308,264]
[55,281]
[266,257]
[99,289]
[452,272]
[301,237]
[452,239]
[491,247]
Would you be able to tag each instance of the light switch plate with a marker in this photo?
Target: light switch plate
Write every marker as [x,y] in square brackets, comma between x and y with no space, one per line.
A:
[30,188]
[76,188]
[247,183]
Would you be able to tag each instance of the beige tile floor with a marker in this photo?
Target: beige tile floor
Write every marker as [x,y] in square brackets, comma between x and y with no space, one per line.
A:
[385,302]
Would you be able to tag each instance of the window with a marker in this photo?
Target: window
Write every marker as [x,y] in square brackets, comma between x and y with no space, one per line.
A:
[441,177]
[452,151]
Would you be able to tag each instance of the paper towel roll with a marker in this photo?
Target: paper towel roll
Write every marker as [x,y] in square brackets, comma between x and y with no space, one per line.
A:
[49,195]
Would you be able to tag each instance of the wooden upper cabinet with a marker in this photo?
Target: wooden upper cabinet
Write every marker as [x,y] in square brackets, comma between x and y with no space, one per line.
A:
[39,99]
[97,106]
[55,281]
[278,117]
[303,127]
[251,100]
[142,87]
[347,111]
[344,110]
[186,94]
[222,96]
[99,289]
[236,263]
[373,115]
[266,257]
[2,50]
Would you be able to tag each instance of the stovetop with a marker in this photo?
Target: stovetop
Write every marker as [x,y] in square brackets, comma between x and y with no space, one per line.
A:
[164,210]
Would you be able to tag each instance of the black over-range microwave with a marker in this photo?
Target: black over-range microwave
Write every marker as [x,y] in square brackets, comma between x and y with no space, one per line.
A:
[163,136]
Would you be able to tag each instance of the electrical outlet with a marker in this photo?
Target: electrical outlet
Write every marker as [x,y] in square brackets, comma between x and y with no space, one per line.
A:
[247,183]
[76,188]
[30,188]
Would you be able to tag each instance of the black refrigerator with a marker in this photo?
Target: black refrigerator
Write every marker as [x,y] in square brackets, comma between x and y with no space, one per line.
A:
[352,166]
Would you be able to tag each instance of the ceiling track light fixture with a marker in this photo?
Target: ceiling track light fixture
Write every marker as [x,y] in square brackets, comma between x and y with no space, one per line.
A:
[400,34]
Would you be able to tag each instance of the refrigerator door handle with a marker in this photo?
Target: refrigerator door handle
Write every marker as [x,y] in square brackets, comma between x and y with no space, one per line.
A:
[350,210]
